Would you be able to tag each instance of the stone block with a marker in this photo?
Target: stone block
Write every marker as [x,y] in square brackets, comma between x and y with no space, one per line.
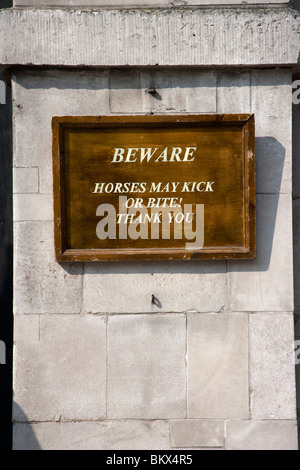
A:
[178,3]
[297,368]
[33,207]
[269,90]
[183,91]
[196,433]
[177,91]
[272,370]
[41,284]
[94,3]
[266,283]
[138,3]
[150,37]
[218,366]
[146,367]
[64,375]
[38,96]
[27,329]
[26,180]
[296,257]
[261,435]
[128,91]
[103,435]
[176,287]
[233,92]
[296,145]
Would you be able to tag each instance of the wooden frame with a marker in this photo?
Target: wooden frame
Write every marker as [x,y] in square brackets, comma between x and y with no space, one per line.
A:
[239,126]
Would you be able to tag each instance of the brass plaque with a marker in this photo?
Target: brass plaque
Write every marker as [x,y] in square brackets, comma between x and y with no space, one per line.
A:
[154,187]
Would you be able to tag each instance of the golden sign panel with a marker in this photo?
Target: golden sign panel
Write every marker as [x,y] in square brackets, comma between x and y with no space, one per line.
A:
[154,187]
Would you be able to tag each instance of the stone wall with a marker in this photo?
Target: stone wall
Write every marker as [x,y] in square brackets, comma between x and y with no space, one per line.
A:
[97,364]
[296,239]
[143,3]
[208,37]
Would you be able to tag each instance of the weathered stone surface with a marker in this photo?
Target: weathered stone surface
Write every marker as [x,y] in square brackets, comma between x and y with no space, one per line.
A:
[41,284]
[273,130]
[168,282]
[149,37]
[261,435]
[108,435]
[146,367]
[138,3]
[177,91]
[272,370]
[27,328]
[296,228]
[38,97]
[218,366]
[224,2]
[97,3]
[296,141]
[233,92]
[266,283]
[64,375]
[298,387]
[183,91]
[26,180]
[296,256]
[297,361]
[128,91]
[33,207]
[196,433]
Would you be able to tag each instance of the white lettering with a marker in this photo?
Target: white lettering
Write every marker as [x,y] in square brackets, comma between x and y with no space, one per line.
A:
[163,155]
[188,153]
[176,151]
[131,152]
[118,155]
[146,153]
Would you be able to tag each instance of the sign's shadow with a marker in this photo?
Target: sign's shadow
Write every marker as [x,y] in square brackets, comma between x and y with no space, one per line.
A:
[25,438]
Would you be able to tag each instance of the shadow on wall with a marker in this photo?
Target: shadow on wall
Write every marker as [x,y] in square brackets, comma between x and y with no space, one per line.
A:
[6,275]
[296,4]
[23,435]
[6,3]
[143,78]
[270,156]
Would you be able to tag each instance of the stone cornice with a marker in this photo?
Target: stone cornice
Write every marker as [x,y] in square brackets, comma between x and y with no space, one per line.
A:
[191,37]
